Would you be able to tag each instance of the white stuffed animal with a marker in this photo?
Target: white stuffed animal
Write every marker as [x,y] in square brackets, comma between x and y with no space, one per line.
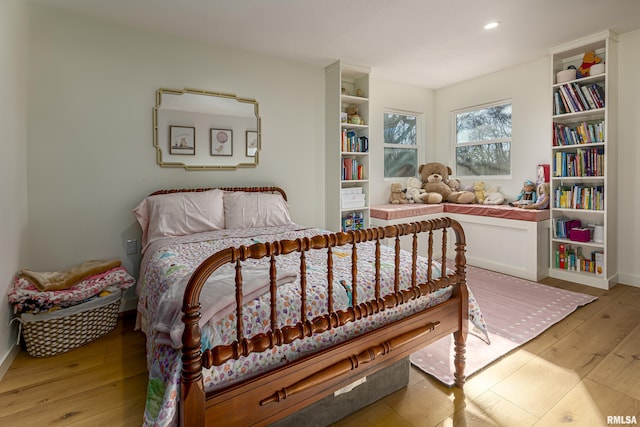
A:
[414,190]
[494,196]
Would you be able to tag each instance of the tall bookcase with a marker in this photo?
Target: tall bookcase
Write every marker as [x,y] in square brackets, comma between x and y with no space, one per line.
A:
[584,158]
[347,147]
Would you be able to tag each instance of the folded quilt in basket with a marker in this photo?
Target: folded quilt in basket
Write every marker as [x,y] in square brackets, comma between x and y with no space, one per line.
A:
[64,279]
[27,298]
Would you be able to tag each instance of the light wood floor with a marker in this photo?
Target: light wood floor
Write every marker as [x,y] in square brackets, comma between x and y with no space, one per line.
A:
[580,371]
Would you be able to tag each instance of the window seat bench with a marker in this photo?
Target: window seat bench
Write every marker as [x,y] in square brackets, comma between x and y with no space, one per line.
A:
[501,238]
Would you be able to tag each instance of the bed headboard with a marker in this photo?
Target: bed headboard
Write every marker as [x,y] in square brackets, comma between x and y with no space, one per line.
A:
[247,189]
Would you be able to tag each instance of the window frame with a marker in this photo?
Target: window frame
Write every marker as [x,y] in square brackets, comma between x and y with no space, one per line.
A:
[419,146]
[455,144]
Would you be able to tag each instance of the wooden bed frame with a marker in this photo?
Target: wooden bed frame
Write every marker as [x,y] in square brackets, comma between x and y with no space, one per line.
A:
[282,391]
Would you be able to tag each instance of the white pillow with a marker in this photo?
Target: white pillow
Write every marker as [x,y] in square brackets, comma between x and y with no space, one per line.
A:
[179,214]
[250,210]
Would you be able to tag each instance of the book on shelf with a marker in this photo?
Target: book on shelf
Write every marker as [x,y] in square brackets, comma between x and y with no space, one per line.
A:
[580,133]
[579,98]
[352,143]
[579,196]
[583,162]
[588,98]
[568,257]
[597,92]
[598,259]
[558,105]
[352,169]
[574,98]
[565,93]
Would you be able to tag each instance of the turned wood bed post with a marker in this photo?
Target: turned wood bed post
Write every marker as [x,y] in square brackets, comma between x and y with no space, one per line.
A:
[460,289]
[192,393]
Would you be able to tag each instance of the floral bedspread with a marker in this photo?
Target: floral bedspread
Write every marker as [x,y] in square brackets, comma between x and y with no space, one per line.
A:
[168,261]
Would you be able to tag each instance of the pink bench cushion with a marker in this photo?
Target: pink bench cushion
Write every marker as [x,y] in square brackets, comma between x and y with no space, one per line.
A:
[391,212]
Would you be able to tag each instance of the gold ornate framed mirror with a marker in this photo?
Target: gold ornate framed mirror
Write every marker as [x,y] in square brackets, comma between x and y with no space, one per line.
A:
[202,130]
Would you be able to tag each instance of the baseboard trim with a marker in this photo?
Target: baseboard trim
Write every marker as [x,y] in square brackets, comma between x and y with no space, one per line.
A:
[8,360]
[629,279]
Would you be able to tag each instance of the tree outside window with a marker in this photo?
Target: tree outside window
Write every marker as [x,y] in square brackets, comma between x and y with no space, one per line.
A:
[483,140]
[400,145]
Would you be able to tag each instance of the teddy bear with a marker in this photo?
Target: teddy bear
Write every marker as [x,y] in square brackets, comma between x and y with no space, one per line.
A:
[542,200]
[494,196]
[454,184]
[590,58]
[397,194]
[352,114]
[434,176]
[414,190]
[478,190]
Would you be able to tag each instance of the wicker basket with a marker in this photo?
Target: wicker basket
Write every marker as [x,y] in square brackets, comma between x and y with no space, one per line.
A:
[48,334]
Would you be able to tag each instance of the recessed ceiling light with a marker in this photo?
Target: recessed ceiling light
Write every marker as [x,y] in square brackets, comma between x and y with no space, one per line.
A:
[491,25]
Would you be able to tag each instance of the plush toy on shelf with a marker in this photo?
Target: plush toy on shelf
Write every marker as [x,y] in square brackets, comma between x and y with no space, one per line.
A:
[543,198]
[397,194]
[434,177]
[590,58]
[352,115]
[478,190]
[527,195]
[414,190]
[494,196]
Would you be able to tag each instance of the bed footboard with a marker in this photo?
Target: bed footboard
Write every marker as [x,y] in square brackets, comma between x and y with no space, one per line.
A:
[284,390]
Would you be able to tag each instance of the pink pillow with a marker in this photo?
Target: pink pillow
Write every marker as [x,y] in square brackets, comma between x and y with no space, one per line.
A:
[179,214]
[250,210]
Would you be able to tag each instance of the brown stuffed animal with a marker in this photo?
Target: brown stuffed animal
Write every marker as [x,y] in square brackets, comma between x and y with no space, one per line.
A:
[397,195]
[351,110]
[434,176]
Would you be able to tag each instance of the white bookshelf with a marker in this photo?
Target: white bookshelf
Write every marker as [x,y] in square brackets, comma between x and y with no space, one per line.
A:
[585,166]
[342,81]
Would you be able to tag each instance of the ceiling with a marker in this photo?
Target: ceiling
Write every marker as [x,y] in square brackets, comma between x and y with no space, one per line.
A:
[427,43]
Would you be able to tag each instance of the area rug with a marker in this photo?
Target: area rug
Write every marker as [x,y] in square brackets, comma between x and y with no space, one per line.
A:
[515,310]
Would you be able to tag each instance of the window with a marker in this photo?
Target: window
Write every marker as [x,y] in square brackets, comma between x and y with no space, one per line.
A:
[400,145]
[483,140]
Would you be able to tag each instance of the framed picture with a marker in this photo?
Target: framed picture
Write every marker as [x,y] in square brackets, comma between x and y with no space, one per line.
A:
[221,142]
[252,143]
[182,140]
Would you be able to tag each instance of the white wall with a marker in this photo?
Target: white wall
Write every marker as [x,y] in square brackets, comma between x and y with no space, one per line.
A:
[389,95]
[13,161]
[527,86]
[628,158]
[91,92]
